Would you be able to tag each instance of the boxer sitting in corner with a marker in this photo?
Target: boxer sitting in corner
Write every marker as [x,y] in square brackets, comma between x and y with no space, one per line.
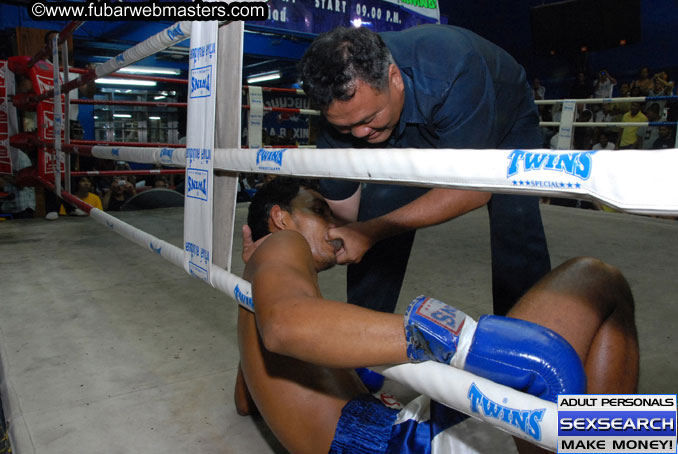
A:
[573,332]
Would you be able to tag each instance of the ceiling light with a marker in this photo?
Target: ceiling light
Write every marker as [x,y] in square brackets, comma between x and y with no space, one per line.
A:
[154,118]
[263,77]
[159,97]
[150,70]
[140,83]
[122,115]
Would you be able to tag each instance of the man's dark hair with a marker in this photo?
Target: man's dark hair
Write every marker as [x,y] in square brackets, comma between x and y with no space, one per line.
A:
[280,191]
[337,59]
[654,107]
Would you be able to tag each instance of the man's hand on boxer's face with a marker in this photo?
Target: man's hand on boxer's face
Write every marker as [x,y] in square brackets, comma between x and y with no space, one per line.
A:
[356,241]
[248,245]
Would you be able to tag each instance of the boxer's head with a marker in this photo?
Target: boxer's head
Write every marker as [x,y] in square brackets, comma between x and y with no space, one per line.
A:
[292,204]
[350,75]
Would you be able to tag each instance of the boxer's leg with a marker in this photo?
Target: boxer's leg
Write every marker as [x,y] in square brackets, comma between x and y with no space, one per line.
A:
[244,404]
[590,304]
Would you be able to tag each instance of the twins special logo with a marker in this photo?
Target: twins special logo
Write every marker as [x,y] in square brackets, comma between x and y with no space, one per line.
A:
[120,59]
[154,248]
[196,184]
[201,82]
[578,164]
[242,297]
[272,156]
[166,155]
[175,32]
[525,420]
[115,152]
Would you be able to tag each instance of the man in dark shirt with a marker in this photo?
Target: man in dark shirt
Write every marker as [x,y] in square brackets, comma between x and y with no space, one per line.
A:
[431,86]
[665,139]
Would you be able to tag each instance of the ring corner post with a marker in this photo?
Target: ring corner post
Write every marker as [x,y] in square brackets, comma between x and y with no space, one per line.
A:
[227,135]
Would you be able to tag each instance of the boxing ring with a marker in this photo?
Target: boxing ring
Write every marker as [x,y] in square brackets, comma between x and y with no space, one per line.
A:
[213,158]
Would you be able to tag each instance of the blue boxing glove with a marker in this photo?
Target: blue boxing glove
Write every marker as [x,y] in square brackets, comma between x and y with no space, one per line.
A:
[512,352]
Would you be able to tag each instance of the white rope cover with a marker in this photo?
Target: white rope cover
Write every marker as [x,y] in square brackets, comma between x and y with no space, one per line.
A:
[638,181]
[235,287]
[517,413]
[162,40]
[175,157]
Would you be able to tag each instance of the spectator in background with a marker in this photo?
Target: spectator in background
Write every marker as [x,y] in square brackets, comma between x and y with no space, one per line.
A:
[120,192]
[651,132]
[538,89]
[547,132]
[605,114]
[20,201]
[604,85]
[583,135]
[631,136]
[581,88]
[662,87]
[84,193]
[603,143]
[289,138]
[620,108]
[665,139]
[663,79]
[161,182]
[636,93]
[644,83]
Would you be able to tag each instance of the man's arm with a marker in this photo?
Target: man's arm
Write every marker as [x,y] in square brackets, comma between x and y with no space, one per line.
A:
[294,320]
[462,118]
[436,206]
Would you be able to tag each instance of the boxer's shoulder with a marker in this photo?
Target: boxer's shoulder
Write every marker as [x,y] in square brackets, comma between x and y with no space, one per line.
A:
[284,248]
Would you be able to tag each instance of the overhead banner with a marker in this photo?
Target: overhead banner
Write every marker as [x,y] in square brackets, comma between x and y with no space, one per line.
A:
[318,16]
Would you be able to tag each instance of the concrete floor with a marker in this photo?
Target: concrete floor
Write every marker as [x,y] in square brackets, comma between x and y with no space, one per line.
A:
[106,348]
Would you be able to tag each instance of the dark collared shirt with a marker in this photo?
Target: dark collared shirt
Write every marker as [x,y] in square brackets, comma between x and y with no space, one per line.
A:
[461,91]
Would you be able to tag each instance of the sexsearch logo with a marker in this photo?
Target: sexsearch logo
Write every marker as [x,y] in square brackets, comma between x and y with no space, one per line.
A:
[201,82]
[196,184]
[578,164]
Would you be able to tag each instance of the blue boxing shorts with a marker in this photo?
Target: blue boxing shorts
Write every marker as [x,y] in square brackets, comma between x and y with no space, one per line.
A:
[422,426]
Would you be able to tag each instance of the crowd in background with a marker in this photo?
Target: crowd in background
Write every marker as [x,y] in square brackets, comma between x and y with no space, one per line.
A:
[605,85]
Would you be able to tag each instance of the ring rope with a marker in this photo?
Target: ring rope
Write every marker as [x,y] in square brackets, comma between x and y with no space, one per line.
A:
[605,100]
[648,174]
